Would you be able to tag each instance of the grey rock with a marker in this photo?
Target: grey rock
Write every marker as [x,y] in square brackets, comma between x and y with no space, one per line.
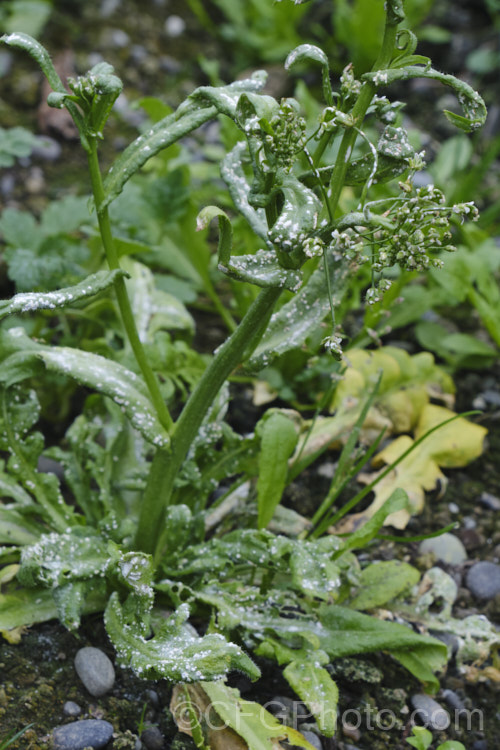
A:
[175,26]
[94,733]
[429,712]
[492,502]
[468,522]
[447,548]
[46,148]
[95,670]
[480,745]
[7,184]
[152,739]
[453,700]
[483,580]
[313,739]
[71,708]
[153,697]
[492,397]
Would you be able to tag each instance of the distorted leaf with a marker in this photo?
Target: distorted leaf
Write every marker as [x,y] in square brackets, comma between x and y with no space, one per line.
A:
[175,652]
[31,301]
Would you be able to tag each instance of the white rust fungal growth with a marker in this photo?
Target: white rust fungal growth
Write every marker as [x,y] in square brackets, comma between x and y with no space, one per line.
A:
[31,301]
[110,378]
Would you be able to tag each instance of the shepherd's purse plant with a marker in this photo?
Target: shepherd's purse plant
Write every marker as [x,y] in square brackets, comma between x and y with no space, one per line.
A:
[134,529]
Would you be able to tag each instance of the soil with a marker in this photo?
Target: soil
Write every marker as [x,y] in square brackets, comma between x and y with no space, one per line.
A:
[37,675]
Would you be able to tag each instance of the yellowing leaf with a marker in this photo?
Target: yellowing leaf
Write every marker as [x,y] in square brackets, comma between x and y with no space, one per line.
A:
[455,444]
[224,721]
[14,635]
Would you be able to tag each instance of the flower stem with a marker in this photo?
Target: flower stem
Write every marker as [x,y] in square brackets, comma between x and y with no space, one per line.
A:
[166,464]
[121,290]
[368,90]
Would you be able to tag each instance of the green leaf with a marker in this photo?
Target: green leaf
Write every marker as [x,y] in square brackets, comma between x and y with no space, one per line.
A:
[105,376]
[15,528]
[422,664]
[26,43]
[26,607]
[422,738]
[260,729]
[315,687]
[31,301]
[57,559]
[472,103]
[204,218]
[347,632]
[381,582]
[28,16]
[299,320]
[395,503]
[175,652]
[20,229]
[154,310]
[278,439]
[262,269]
[29,606]
[172,128]
[453,157]
[313,572]
[233,174]
[15,143]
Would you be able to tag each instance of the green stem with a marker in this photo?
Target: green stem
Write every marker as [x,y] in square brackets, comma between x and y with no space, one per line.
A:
[368,90]
[166,464]
[121,290]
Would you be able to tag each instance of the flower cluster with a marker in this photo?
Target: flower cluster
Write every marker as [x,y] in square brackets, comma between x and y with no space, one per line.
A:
[313,247]
[416,225]
[421,225]
[333,345]
[286,135]
[349,245]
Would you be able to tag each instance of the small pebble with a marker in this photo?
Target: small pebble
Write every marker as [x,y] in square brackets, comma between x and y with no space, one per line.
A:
[447,548]
[313,739]
[351,731]
[469,522]
[46,148]
[119,38]
[453,700]
[152,739]
[429,712]
[153,697]
[95,670]
[492,502]
[87,733]
[175,26]
[71,708]
[483,580]
[491,397]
